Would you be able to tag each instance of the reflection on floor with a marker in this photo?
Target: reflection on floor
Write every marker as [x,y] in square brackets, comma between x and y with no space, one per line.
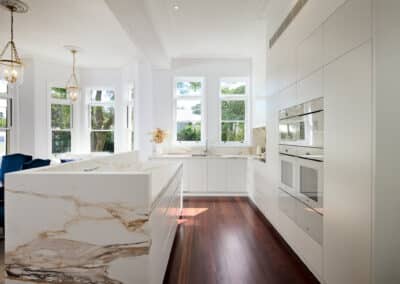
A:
[225,240]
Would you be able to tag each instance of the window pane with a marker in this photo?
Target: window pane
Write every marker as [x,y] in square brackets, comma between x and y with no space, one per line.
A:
[102,141]
[3,143]
[58,93]
[102,96]
[188,110]
[188,88]
[60,116]
[102,117]
[188,131]
[3,87]
[233,88]
[61,141]
[233,110]
[3,113]
[232,131]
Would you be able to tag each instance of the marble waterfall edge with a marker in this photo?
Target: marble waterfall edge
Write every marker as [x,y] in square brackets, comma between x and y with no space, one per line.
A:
[68,225]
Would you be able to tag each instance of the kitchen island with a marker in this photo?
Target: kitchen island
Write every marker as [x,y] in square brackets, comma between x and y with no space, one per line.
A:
[106,220]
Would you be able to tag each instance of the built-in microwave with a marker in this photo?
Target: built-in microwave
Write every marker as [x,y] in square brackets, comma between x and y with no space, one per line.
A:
[303,125]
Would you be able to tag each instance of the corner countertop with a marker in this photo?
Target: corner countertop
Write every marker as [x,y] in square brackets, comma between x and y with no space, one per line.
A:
[208,156]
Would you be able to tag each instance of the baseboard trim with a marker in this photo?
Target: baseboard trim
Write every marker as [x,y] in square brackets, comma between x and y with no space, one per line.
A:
[207,194]
[279,237]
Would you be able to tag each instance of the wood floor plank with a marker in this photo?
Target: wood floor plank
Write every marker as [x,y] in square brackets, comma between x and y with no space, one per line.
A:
[227,241]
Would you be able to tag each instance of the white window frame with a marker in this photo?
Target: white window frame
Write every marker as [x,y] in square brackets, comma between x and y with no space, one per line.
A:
[9,116]
[246,99]
[103,104]
[131,115]
[203,121]
[52,101]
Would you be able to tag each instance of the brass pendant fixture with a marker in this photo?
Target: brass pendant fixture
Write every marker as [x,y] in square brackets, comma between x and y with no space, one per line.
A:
[11,65]
[72,87]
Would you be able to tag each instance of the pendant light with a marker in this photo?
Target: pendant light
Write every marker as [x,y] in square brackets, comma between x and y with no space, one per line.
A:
[11,65]
[72,87]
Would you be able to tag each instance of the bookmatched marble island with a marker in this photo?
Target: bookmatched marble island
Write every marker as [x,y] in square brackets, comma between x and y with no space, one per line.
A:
[107,220]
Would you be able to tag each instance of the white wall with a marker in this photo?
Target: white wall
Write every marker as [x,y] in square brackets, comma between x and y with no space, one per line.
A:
[45,74]
[212,70]
[32,120]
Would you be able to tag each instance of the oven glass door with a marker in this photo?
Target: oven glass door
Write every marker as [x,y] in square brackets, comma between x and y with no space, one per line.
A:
[292,131]
[288,173]
[313,130]
[310,182]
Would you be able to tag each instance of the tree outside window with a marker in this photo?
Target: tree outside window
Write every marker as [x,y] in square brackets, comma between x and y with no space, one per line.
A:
[188,110]
[102,118]
[233,100]
[61,121]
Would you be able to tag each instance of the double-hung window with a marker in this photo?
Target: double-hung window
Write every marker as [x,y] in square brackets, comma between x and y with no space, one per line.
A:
[102,117]
[188,110]
[5,118]
[61,121]
[233,110]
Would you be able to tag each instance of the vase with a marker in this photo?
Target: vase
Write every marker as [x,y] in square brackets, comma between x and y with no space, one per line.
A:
[159,149]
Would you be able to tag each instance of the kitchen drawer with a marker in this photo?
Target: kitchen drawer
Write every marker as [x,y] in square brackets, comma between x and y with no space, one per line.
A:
[309,221]
[287,205]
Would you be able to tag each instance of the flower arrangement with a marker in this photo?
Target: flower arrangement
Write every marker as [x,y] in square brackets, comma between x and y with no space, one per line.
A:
[158,136]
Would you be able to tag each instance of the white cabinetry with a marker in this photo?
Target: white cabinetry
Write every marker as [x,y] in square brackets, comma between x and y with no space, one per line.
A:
[195,174]
[347,28]
[213,175]
[217,175]
[348,167]
[237,171]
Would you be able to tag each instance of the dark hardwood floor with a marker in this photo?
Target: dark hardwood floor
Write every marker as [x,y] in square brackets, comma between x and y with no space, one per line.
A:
[225,240]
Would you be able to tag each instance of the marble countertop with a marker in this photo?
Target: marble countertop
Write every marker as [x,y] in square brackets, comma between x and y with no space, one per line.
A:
[208,156]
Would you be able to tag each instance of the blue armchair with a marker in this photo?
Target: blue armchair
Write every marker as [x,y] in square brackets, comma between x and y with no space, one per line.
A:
[36,163]
[10,163]
[13,163]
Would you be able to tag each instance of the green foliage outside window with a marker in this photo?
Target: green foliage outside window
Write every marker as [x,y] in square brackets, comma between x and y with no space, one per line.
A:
[232,131]
[241,90]
[233,115]
[58,93]
[102,141]
[196,109]
[188,131]
[233,110]
[60,116]
[60,123]
[61,142]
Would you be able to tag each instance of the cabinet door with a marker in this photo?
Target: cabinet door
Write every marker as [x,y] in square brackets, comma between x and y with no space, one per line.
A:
[309,221]
[237,175]
[186,176]
[196,170]
[348,167]
[287,205]
[217,175]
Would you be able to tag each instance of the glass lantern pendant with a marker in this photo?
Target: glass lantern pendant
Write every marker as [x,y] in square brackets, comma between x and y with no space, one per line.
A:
[11,65]
[72,84]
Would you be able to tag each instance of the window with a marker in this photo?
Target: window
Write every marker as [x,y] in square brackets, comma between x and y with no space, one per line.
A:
[61,121]
[188,110]
[5,118]
[101,113]
[233,110]
[131,118]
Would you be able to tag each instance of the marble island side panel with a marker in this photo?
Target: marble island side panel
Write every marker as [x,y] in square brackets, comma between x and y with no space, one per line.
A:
[86,228]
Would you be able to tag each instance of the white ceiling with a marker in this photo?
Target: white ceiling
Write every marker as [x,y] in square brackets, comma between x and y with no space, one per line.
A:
[210,28]
[52,24]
